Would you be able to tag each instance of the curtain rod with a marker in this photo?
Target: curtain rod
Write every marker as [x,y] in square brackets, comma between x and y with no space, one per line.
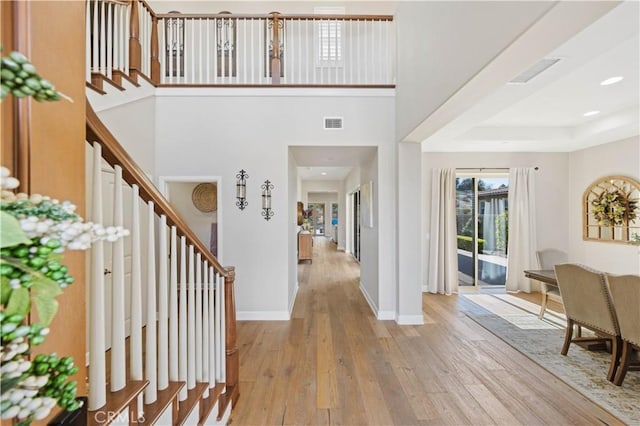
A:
[482,169]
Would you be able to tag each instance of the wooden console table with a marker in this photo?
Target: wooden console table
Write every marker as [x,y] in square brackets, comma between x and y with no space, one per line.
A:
[305,246]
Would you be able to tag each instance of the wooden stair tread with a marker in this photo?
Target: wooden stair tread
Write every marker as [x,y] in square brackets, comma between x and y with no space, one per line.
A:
[98,80]
[152,412]
[231,394]
[116,403]
[210,402]
[95,88]
[193,397]
[118,76]
[135,74]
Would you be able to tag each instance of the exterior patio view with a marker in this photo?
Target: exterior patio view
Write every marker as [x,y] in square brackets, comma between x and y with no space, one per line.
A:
[482,235]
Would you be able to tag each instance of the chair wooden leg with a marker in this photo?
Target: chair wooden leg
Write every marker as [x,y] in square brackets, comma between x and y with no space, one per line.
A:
[616,342]
[567,337]
[624,363]
[543,305]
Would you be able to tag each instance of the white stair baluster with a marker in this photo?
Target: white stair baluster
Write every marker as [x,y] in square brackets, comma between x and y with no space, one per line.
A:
[173,308]
[191,323]
[205,323]
[151,369]
[135,349]
[97,370]
[118,356]
[182,333]
[198,316]
[212,330]
[163,308]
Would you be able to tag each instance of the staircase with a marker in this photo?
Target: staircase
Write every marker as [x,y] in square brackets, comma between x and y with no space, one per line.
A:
[177,364]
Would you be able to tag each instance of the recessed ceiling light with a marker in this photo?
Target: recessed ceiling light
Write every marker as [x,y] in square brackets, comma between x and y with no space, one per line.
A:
[591,113]
[323,173]
[612,80]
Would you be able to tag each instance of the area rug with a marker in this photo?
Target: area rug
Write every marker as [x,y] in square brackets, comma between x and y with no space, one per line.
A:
[515,321]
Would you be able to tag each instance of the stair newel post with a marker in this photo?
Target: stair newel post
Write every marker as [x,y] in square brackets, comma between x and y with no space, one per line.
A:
[135,49]
[274,60]
[231,346]
[155,52]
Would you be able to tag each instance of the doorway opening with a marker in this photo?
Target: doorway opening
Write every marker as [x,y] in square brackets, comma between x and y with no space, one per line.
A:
[482,225]
[317,218]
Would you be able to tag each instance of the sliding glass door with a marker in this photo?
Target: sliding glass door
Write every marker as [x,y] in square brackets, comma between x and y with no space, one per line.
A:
[481,223]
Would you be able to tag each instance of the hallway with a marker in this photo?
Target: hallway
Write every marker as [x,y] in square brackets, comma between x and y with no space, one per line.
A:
[334,363]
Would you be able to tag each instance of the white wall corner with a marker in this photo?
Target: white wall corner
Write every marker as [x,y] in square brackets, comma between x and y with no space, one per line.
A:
[425,288]
[263,316]
[410,320]
[293,299]
[380,315]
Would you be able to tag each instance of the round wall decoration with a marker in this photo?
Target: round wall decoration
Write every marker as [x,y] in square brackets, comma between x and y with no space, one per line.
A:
[205,197]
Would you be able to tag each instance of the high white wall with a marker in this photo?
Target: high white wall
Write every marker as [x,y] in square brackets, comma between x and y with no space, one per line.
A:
[137,138]
[456,40]
[205,132]
[552,178]
[585,167]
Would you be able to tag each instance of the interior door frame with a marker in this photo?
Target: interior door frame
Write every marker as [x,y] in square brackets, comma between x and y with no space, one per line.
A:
[163,186]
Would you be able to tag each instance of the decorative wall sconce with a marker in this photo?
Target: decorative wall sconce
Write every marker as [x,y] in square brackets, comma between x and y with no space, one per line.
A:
[266,200]
[241,189]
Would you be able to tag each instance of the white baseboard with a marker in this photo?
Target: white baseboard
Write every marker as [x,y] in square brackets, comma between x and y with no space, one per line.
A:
[386,315]
[380,315]
[293,300]
[373,307]
[263,316]
[410,320]
[341,249]
[425,289]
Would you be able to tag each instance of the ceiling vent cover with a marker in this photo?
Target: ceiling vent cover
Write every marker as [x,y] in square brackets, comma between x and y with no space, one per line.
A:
[332,123]
[536,69]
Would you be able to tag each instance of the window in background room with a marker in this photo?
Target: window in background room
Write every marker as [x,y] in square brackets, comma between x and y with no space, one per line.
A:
[329,37]
[481,224]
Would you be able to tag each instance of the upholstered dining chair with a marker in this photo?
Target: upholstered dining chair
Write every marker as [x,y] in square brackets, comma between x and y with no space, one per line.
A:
[625,292]
[548,259]
[587,302]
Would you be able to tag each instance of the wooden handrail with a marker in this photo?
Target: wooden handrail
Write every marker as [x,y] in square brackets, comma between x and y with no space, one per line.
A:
[280,16]
[115,154]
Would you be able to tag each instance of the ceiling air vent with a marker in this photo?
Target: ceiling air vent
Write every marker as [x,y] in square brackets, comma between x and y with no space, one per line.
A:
[331,123]
[535,70]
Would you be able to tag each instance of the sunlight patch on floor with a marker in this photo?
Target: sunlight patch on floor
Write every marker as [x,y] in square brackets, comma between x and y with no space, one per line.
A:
[519,312]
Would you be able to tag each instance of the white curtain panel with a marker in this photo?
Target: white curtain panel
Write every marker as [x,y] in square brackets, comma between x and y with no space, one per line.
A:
[522,228]
[443,250]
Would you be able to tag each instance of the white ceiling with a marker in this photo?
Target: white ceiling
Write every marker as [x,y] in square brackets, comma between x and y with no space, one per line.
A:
[336,161]
[546,114]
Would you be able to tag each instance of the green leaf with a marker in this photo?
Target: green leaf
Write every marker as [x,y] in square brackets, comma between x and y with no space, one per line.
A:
[46,307]
[11,234]
[18,302]
[45,287]
[5,290]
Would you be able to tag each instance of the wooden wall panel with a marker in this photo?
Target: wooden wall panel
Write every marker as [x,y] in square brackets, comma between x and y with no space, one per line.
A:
[54,143]
[6,109]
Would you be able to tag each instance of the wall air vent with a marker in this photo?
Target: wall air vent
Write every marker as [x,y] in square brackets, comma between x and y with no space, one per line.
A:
[535,70]
[332,123]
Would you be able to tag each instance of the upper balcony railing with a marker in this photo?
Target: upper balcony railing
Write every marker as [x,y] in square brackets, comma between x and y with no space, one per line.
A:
[239,50]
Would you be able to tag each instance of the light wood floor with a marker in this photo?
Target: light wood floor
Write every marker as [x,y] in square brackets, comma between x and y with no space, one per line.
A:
[334,363]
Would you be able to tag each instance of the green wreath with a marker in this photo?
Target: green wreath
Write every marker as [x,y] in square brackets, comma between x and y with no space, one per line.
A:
[613,207]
